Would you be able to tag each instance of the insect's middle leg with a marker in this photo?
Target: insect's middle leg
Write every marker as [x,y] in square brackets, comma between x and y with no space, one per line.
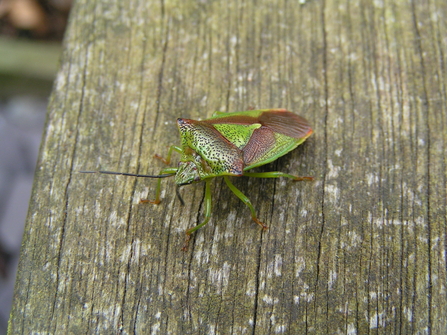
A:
[245,200]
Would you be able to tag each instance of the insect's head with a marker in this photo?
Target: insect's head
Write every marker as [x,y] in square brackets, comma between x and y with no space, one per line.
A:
[186,173]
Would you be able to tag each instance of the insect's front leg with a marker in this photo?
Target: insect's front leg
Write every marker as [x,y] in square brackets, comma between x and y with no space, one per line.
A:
[207,214]
[167,160]
[158,190]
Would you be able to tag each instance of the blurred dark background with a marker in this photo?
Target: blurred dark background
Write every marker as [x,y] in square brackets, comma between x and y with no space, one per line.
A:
[31,33]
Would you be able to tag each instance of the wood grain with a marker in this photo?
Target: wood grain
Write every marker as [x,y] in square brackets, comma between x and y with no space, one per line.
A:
[361,250]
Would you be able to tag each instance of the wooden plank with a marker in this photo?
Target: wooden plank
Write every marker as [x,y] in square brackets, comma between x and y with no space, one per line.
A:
[360,250]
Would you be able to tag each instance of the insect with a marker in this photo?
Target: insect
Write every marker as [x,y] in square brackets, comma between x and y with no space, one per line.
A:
[230,144]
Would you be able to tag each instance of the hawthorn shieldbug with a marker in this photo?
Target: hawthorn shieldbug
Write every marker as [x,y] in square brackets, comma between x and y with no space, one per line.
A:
[230,144]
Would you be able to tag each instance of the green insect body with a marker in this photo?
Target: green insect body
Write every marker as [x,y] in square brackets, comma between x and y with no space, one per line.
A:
[230,144]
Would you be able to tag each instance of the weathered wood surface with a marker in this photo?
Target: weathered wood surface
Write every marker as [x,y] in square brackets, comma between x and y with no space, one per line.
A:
[360,250]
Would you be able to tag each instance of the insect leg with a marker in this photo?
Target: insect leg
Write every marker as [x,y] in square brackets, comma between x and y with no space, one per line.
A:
[275,174]
[170,171]
[167,160]
[245,200]
[207,214]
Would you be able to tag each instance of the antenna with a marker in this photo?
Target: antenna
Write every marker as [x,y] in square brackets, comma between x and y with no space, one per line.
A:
[131,174]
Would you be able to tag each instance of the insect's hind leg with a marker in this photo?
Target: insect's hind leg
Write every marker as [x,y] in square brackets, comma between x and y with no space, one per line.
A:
[245,200]
[276,174]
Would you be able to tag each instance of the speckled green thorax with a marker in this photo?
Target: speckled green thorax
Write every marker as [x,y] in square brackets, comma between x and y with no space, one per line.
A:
[207,153]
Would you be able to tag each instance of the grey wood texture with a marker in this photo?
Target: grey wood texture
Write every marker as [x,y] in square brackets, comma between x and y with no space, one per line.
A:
[361,250]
